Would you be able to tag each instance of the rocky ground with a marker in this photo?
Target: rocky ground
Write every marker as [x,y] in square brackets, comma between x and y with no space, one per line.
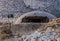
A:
[49,34]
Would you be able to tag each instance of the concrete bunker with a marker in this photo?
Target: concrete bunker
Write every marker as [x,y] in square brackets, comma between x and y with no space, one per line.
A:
[35,17]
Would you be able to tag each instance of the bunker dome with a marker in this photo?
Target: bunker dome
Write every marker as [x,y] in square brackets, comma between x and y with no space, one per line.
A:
[35,17]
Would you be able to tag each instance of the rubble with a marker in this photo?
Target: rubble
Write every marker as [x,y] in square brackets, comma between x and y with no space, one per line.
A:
[38,36]
[49,34]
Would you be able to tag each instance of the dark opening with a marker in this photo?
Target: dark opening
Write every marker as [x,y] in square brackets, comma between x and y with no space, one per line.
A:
[10,16]
[35,19]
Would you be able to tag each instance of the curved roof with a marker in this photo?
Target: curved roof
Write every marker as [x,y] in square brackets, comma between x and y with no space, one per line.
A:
[35,13]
